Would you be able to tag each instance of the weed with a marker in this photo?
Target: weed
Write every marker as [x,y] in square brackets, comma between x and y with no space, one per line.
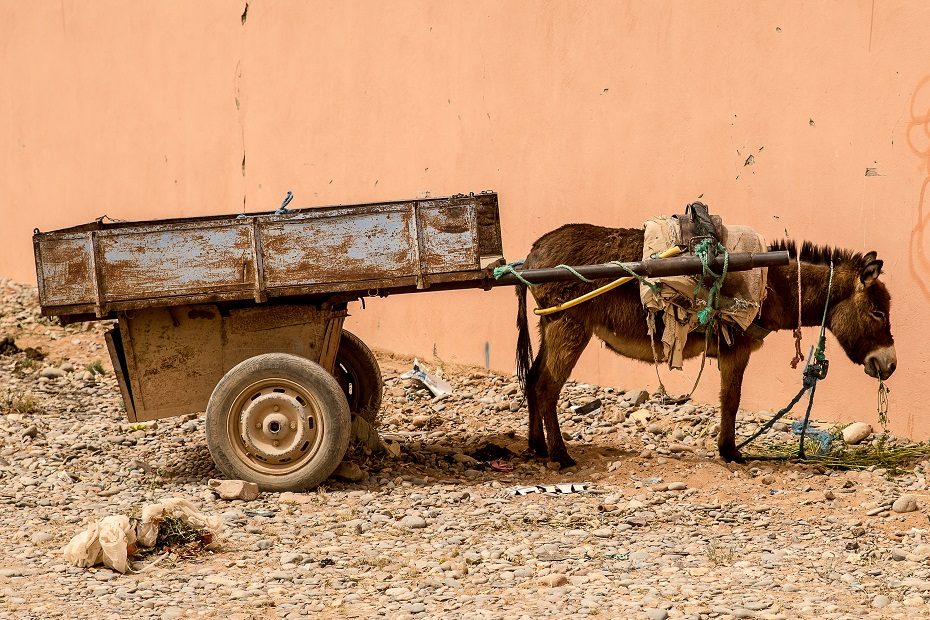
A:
[24,404]
[95,368]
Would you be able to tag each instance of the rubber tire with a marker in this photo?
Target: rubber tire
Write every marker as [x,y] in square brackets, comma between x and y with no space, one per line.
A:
[354,359]
[333,409]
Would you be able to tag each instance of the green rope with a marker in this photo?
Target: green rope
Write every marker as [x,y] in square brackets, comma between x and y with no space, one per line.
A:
[702,251]
[510,268]
[652,286]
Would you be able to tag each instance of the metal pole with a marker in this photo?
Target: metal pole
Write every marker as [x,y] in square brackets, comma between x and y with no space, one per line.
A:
[676,266]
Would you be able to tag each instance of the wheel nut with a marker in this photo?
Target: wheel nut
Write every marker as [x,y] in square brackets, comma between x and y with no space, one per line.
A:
[276,408]
[258,425]
[276,442]
[293,426]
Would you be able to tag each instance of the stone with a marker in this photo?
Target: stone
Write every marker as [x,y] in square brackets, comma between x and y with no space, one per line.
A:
[52,373]
[295,498]
[905,503]
[554,580]
[656,614]
[412,522]
[234,489]
[880,601]
[637,397]
[677,486]
[350,472]
[640,416]
[856,432]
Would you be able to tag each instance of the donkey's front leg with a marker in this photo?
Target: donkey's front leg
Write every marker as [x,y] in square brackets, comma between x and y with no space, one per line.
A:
[732,361]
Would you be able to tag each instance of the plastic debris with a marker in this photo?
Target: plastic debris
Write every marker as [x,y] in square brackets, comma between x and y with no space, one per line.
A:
[439,387]
[115,538]
[501,465]
[591,408]
[554,489]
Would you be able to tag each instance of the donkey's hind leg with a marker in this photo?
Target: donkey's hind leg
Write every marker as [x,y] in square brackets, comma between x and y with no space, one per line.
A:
[563,341]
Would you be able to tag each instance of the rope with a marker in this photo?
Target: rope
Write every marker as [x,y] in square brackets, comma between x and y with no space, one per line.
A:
[702,251]
[652,286]
[283,208]
[883,404]
[815,370]
[672,251]
[509,268]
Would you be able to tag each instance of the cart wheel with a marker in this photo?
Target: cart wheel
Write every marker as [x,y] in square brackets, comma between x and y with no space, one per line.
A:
[359,376]
[278,420]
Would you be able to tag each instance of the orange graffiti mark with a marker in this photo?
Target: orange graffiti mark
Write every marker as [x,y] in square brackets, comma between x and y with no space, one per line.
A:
[918,139]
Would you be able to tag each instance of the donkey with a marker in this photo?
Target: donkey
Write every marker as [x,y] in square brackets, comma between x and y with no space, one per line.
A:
[858,316]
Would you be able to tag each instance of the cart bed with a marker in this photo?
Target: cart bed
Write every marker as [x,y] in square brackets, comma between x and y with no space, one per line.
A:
[98,269]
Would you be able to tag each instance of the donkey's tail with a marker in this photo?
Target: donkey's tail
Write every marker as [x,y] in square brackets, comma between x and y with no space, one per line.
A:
[524,344]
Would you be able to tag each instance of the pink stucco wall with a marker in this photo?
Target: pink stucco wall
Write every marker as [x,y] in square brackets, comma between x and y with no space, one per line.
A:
[605,112]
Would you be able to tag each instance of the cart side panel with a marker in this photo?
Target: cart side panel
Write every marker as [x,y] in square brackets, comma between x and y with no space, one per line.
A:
[175,356]
[343,248]
[140,265]
[66,271]
[449,236]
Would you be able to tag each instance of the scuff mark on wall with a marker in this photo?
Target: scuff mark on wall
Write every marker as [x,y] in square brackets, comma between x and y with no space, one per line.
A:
[245,13]
[918,139]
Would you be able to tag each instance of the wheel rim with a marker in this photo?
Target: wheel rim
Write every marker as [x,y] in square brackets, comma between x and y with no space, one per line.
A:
[347,378]
[275,426]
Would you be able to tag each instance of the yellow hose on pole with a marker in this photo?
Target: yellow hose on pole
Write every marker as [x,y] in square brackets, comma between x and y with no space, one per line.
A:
[672,251]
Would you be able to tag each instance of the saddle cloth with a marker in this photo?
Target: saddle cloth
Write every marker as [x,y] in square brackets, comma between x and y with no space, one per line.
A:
[741,295]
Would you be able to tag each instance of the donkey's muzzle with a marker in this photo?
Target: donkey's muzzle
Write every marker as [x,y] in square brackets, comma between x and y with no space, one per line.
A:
[881,363]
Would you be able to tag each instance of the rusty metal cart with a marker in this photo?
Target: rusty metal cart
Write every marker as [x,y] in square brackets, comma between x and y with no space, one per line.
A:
[242,316]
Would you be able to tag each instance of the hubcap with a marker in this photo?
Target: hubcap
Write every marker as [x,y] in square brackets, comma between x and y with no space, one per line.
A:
[275,426]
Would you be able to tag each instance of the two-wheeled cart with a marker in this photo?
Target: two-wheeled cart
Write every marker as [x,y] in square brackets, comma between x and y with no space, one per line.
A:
[242,316]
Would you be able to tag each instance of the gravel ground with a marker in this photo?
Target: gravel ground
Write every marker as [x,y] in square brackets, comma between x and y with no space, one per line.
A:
[665,530]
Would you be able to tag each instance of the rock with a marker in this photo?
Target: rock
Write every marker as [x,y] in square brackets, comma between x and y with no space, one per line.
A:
[554,580]
[905,503]
[295,498]
[292,558]
[677,486]
[419,421]
[603,532]
[52,373]
[364,434]
[637,397]
[350,472]
[655,614]
[412,522]
[856,432]
[234,489]
[640,416]
[880,601]
[31,432]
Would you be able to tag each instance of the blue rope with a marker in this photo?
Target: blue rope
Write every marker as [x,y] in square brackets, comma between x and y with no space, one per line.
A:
[702,251]
[825,438]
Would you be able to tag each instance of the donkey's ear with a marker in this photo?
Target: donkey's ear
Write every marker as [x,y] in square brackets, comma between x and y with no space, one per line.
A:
[871,256]
[871,272]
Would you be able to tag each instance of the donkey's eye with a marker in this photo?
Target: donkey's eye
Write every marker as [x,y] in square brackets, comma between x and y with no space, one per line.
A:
[878,314]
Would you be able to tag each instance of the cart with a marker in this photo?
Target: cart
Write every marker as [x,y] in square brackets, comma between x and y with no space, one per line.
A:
[241,316]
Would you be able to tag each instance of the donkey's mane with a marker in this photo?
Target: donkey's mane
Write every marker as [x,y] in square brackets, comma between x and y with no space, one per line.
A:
[818,254]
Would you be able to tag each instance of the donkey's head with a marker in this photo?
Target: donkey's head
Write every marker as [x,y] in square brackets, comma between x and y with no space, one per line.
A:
[860,315]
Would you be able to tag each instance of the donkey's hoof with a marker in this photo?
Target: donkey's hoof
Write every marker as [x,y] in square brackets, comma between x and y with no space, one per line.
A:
[563,462]
[539,449]
[732,456]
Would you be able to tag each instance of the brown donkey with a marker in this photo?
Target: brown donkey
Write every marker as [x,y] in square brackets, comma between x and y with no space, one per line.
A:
[858,316]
